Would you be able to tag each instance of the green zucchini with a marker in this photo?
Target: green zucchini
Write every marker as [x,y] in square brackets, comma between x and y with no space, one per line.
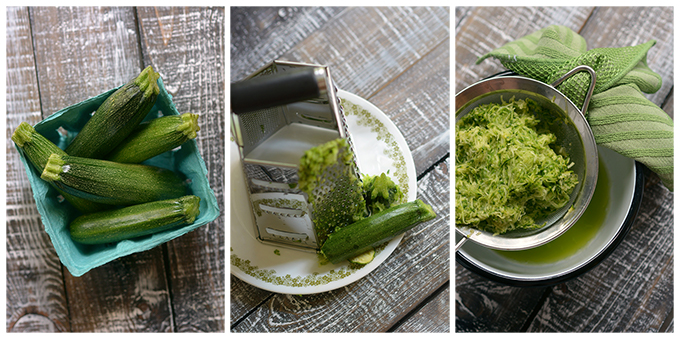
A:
[381,193]
[363,258]
[156,136]
[361,236]
[134,221]
[112,183]
[37,149]
[117,116]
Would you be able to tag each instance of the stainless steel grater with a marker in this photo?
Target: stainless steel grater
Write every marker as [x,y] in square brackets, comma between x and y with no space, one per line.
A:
[271,141]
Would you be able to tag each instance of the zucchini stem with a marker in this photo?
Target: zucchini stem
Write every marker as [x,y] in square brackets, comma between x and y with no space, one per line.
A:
[190,207]
[147,82]
[53,169]
[23,134]
[189,125]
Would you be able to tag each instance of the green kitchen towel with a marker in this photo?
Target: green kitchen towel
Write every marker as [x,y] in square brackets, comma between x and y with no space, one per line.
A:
[621,117]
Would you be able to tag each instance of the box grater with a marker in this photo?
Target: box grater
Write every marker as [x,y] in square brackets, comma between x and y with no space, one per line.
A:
[272,140]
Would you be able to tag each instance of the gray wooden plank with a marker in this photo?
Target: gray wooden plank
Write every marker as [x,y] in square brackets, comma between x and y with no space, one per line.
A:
[366,48]
[418,101]
[260,35]
[625,26]
[433,317]
[243,298]
[81,52]
[483,29]
[129,294]
[461,13]
[483,305]
[36,298]
[186,46]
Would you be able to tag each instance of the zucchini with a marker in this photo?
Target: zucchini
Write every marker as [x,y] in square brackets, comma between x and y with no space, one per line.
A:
[37,149]
[361,236]
[112,183]
[363,258]
[134,221]
[117,116]
[381,193]
[156,136]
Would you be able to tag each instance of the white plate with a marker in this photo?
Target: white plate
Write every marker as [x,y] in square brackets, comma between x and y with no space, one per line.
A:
[380,147]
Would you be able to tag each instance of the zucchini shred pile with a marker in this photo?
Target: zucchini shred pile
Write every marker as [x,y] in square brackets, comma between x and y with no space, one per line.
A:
[507,174]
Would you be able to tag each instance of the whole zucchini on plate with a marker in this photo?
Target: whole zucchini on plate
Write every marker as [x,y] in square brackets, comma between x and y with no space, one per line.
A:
[112,183]
[134,221]
[365,234]
[117,116]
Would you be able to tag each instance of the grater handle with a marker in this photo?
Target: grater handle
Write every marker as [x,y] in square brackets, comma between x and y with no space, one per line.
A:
[276,90]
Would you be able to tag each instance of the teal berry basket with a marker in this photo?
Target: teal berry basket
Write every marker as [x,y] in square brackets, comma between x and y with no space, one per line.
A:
[56,213]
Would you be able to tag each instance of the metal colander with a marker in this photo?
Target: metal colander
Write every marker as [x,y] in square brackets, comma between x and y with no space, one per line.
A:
[271,142]
[573,134]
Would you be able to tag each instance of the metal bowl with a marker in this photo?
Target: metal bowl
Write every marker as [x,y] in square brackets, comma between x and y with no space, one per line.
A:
[572,132]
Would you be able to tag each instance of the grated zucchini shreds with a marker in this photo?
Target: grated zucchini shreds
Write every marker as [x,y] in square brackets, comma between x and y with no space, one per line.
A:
[326,175]
[507,176]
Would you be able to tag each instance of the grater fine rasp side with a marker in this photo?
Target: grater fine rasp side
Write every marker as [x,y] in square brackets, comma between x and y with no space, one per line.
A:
[329,177]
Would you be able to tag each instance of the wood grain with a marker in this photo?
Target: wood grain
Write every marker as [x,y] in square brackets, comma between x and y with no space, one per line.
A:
[186,45]
[483,305]
[418,103]
[129,294]
[36,297]
[621,26]
[81,52]
[433,317]
[367,48]
[261,35]
[482,29]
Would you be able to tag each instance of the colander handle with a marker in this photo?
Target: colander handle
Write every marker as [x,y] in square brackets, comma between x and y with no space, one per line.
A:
[591,88]
[276,90]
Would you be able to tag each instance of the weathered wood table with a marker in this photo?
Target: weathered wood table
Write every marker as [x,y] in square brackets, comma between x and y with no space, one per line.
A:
[398,59]
[632,289]
[57,57]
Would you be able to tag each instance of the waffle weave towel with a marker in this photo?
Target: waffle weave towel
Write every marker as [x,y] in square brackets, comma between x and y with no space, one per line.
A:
[621,117]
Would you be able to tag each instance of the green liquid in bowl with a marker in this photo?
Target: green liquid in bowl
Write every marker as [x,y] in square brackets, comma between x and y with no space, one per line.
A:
[578,236]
